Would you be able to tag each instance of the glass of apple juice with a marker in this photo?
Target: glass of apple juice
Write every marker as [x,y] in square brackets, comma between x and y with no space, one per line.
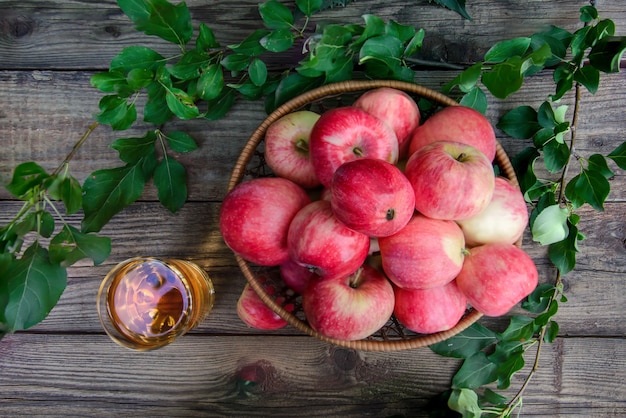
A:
[145,303]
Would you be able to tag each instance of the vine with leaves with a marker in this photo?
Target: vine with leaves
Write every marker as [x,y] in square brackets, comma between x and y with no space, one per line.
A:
[206,78]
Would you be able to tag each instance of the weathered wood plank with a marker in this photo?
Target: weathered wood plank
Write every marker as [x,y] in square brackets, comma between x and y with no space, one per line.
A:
[207,375]
[593,289]
[38,34]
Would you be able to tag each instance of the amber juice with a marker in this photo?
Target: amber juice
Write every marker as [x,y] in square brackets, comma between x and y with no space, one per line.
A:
[145,303]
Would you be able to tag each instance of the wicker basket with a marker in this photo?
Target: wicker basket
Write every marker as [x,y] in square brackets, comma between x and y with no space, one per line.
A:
[393,337]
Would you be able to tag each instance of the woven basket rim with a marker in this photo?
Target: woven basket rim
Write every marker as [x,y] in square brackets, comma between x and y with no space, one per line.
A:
[238,172]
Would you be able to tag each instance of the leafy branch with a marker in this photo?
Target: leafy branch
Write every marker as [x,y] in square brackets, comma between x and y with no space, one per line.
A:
[489,356]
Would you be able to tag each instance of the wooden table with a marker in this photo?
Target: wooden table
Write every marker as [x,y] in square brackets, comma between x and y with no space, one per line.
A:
[66,365]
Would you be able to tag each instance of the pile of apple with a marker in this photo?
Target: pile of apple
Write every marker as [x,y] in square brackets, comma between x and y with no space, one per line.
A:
[373,213]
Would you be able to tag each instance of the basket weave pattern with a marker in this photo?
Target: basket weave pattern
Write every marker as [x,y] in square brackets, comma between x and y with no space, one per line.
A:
[392,337]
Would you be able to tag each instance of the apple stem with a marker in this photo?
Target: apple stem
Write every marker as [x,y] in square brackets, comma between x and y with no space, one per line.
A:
[355,279]
[462,156]
[357,151]
[391,213]
[302,145]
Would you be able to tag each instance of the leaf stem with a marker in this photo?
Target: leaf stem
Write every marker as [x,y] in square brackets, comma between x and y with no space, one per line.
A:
[558,278]
[75,148]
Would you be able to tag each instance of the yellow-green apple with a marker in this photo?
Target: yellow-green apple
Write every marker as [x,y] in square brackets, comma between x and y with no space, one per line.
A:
[255,313]
[451,180]
[372,197]
[295,276]
[255,217]
[345,134]
[425,253]
[396,108]
[349,307]
[324,245]
[427,311]
[457,124]
[287,147]
[495,277]
[502,221]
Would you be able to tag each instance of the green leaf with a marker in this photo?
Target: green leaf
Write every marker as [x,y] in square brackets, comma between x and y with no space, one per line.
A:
[520,123]
[206,39]
[181,142]
[108,81]
[160,18]
[219,107]
[619,155]
[491,397]
[374,26]
[563,253]
[456,6]
[385,49]
[278,41]
[476,99]
[588,14]
[606,55]
[108,191]
[235,62]
[190,65]
[170,179]
[550,225]
[155,110]
[465,343]
[139,77]
[116,112]
[211,82]
[504,50]
[34,285]
[131,150]
[466,80]
[257,72]
[415,44]
[597,163]
[588,187]
[555,156]
[293,85]
[308,7]
[251,45]
[476,371]
[136,57]
[71,195]
[589,77]
[508,368]
[504,78]
[71,245]
[26,176]
[544,318]
[181,104]
[520,328]
[539,299]
[552,331]
[276,15]
[465,402]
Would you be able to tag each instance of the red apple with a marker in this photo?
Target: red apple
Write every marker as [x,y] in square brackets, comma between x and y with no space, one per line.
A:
[255,313]
[427,311]
[320,242]
[345,134]
[255,218]
[503,220]
[495,277]
[351,307]
[425,253]
[397,109]
[451,180]
[456,124]
[287,147]
[295,276]
[372,197]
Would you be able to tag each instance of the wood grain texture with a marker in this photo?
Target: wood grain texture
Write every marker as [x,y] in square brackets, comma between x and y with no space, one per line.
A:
[66,366]
[278,376]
